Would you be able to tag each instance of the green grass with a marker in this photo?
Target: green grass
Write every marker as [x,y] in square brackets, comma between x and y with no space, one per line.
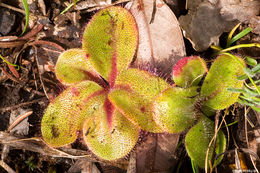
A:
[27,14]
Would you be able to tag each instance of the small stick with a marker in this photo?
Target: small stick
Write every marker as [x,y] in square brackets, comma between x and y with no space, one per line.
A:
[21,105]
[12,8]
[9,76]
[18,120]
[6,167]
[49,43]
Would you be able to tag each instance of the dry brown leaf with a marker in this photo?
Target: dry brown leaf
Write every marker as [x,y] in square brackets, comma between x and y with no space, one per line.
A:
[160,39]
[156,153]
[204,24]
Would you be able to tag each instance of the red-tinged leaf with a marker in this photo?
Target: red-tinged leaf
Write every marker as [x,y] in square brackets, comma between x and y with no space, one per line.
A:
[223,74]
[66,114]
[73,66]
[174,110]
[110,38]
[135,107]
[142,83]
[109,143]
[188,71]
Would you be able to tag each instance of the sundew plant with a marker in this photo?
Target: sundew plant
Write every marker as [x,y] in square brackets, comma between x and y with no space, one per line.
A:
[109,103]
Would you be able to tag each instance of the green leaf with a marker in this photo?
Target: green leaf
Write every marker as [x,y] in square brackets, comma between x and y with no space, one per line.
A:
[113,141]
[135,107]
[174,109]
[251,61]
[197,141]
[189,71]
[133,95]
[250,91]
[110,38]
[222,75]
[256,69]
[72,67]
[66,113]
[249,72]
[142,83]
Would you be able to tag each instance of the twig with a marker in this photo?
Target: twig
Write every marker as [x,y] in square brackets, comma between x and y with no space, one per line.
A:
[18,120]
[247,142]
[37,145]
[22,104]
[6,167]
[37,62]
[12,8]
[211,142]
[49,43]
[9,76]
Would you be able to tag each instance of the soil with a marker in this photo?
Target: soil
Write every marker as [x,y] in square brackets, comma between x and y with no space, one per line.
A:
[34,85]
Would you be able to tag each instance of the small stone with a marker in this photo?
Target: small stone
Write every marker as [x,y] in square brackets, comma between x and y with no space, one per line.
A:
[7,19]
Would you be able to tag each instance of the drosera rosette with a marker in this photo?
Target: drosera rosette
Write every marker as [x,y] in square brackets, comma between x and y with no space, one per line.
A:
[104,98]
[186,105]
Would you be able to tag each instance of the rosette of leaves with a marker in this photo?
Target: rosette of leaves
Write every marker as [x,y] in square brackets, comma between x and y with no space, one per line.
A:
[105,99]
[179,108]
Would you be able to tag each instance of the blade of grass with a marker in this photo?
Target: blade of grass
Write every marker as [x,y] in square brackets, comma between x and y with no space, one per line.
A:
[243,102]
[7,62]
[241,46]
[231,34]
[239,35]
[253,100]
[256,69]
[256,87]
[250,91]
[257,81]
[68,7]
[218,48]
[230,124]
[27,13]
[249,72]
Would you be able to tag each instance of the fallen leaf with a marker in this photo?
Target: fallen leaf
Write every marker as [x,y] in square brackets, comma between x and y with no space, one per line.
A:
[161,43]
[204,24]
[156,152]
